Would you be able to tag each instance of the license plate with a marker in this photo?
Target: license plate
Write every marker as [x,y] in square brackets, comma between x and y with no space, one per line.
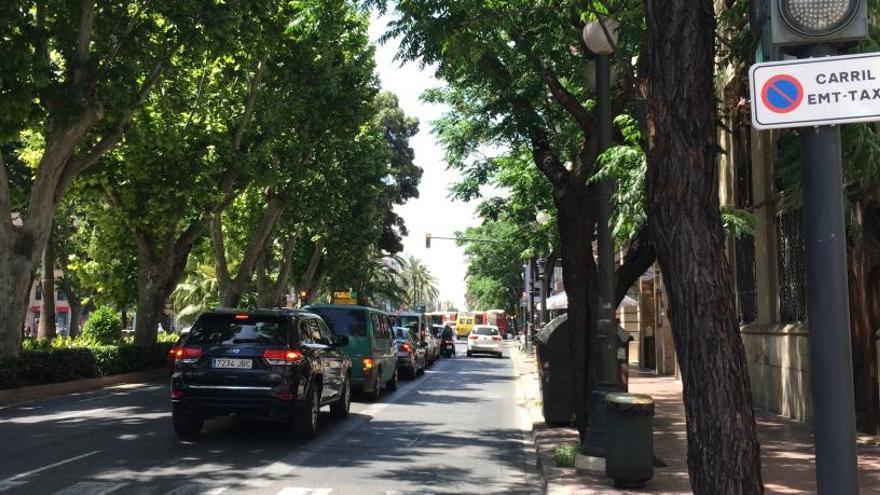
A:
[238,364]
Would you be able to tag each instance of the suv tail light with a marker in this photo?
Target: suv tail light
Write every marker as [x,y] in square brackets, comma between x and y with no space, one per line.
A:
[282,357]
[473,337]
[186,354]
[405,347]
[496,338]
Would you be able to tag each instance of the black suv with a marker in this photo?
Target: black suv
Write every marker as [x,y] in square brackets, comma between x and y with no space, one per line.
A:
[270,364]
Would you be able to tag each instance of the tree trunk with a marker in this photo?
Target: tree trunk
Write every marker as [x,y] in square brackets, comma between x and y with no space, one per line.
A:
[47,330]
[269,293]
[75,313]
[575,234]
[864,289]
[307,282]
[152,294]
[685,222]
[232,288]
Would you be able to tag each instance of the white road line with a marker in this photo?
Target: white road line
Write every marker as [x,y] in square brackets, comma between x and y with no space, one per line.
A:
[50,466]
[195,489]
[92,488]
[290,490]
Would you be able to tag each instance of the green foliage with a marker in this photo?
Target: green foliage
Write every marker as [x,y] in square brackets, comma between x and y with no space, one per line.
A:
[48,363]
[103,326]
[564,454]
[738,222]
[627,165]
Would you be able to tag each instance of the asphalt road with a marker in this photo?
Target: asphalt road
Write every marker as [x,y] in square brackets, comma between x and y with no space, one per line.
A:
[457,429]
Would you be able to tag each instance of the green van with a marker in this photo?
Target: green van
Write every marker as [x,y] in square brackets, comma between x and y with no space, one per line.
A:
[370,346]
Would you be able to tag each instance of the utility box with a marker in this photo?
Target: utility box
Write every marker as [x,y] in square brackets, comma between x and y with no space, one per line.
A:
[555,363]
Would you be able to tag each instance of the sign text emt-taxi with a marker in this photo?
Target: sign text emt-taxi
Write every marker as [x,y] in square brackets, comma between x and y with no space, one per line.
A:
[816,91]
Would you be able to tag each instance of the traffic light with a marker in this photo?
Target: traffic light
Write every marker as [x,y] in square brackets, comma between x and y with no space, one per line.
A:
[303,294]
[428,240]
[807,22]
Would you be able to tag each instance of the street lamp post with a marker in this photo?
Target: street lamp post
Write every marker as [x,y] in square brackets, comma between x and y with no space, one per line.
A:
[601,38]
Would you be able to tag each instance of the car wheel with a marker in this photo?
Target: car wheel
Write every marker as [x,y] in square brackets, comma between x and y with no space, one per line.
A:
[185,424]
[377,386]
[392,383]
[340,408]
[305,422]
[470,354]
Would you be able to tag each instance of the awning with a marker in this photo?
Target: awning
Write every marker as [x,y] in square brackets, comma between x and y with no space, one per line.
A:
[560,301]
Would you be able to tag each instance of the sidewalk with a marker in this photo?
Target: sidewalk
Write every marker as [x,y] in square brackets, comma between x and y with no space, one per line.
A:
[786,445]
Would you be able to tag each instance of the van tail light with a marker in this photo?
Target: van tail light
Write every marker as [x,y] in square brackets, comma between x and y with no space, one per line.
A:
[282,357]
[176,394]
[405,347]
[186,354]
[368,364]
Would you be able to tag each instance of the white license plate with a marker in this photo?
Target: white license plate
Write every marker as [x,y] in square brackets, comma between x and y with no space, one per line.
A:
[238,364]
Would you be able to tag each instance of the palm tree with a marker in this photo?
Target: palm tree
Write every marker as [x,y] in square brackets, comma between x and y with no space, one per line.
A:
[197,293]
[420,284]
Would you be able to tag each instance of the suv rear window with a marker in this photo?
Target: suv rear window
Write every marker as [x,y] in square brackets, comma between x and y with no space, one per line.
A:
[231,330]
[350,322]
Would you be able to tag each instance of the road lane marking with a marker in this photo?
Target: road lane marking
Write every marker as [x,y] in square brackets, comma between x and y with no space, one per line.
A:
[195,489]
[92,488]
[44,468]
[291,490]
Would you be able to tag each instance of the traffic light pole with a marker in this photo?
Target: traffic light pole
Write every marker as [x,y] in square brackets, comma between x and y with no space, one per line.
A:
[828,305]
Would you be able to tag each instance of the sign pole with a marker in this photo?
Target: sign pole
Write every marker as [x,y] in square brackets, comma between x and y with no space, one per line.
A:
[828,305]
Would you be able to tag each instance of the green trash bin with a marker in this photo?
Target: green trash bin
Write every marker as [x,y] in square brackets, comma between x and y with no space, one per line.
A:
[629,439]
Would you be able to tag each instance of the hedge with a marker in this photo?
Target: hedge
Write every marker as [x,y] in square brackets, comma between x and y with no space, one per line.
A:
[53,365]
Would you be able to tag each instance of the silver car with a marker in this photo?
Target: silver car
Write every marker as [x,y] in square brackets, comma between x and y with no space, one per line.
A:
[484,339]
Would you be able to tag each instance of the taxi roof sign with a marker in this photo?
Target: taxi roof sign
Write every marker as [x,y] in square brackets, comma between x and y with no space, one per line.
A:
[815,91]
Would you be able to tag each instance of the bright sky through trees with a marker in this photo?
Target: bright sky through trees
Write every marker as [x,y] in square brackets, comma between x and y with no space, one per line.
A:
[433,211]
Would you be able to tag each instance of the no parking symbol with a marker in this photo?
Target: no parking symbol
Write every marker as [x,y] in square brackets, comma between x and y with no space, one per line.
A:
[782,93]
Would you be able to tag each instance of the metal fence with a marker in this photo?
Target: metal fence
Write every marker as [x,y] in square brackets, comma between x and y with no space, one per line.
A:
[791,259]
[746,291]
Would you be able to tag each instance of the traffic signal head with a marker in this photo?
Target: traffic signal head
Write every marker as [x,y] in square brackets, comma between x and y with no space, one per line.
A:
[427,240]
[303,294]
[806,22]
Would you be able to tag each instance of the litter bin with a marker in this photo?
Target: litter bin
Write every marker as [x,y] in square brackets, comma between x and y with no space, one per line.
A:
[555,362]
[629,439]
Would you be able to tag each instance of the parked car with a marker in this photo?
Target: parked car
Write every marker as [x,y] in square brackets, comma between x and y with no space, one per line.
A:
[370,346]
[433,349]
[281,365]
[411,356]
[484,339]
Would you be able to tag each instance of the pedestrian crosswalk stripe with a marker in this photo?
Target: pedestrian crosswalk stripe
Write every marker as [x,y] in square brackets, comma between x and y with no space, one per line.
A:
[92,488]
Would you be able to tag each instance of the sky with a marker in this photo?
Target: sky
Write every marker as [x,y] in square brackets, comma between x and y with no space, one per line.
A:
[432,212]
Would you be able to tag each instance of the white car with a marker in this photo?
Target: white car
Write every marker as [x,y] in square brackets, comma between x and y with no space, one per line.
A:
[485,339]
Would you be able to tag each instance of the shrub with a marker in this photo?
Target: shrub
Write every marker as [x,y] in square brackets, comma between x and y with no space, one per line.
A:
[565,454]
[72,359]
[103,326]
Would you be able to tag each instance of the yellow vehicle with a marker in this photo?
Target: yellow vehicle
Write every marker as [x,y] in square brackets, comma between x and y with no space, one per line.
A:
[465,325]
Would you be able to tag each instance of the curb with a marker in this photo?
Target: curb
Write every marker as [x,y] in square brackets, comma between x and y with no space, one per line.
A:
[50,390]
[533,456]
